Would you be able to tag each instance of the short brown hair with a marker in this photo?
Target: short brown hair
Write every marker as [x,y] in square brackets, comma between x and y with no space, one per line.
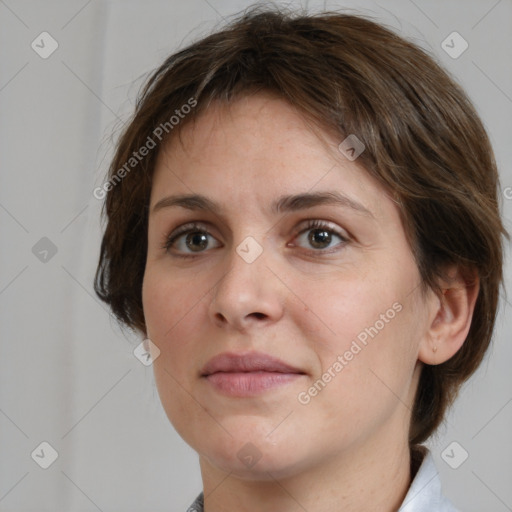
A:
[424,142]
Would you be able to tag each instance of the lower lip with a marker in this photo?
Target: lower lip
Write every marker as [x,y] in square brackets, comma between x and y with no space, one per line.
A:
[249,383]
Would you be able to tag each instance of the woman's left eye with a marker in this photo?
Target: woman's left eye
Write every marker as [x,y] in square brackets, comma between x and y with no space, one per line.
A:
[320,237]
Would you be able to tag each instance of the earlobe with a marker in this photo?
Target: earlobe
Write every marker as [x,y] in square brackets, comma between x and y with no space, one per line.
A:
[451,316]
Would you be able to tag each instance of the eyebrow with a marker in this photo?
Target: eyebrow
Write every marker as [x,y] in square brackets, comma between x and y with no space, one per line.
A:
[289,203]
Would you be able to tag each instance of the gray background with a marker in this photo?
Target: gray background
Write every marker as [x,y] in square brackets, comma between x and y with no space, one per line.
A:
[68,375]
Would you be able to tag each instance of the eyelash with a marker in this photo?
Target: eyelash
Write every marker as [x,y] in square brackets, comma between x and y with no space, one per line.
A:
[195,227]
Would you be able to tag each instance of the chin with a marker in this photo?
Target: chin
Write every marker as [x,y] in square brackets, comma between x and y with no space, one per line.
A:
[254,458]
[267,468]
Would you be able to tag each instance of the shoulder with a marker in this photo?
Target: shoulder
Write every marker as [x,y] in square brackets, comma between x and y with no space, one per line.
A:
[198,505]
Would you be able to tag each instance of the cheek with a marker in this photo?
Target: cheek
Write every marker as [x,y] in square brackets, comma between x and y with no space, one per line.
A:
[365,334]
[340,311]
[170,310]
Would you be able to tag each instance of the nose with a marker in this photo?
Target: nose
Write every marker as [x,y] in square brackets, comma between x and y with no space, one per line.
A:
[248,295]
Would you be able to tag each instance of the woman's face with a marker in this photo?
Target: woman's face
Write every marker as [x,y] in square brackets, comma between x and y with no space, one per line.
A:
[339,302]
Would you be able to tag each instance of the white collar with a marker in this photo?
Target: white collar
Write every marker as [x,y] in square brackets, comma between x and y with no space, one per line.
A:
[425,493]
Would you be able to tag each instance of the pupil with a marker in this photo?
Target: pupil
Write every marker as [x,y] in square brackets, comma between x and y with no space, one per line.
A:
[197,238]
[319,237]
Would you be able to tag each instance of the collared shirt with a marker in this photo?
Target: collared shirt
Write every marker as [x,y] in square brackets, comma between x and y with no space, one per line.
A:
[424,495]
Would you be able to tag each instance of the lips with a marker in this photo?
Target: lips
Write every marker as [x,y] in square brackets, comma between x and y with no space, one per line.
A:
[229,362]
[247,375]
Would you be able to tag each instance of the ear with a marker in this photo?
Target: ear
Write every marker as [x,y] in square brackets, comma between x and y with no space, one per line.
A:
[450,317]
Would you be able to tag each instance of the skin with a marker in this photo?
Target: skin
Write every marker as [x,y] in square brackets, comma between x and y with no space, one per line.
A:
[347,448]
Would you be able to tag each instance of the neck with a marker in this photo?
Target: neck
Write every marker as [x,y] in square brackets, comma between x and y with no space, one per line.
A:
[375,476]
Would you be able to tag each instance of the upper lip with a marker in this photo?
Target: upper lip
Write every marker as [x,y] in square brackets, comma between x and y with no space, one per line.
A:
[246,362]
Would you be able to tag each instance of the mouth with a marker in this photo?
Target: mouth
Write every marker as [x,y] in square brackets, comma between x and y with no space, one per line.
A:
[229,362]
[248,374]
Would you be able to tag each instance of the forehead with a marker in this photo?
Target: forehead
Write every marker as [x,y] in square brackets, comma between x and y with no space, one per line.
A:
[257,149]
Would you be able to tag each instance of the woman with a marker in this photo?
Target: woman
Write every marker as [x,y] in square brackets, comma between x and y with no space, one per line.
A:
[303,225]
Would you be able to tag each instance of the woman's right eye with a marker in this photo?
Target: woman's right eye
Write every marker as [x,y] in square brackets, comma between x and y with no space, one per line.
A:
[189,236]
